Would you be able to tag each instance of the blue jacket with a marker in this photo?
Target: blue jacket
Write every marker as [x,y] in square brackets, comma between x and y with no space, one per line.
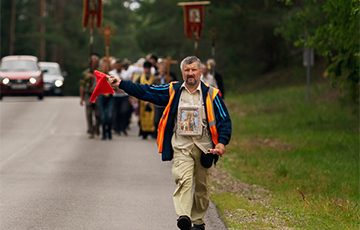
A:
[159,94]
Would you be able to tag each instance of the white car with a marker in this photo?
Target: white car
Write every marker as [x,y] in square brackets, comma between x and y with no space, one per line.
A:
[53,78]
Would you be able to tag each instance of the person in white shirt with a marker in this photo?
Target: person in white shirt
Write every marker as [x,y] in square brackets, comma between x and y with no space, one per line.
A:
[206,77]
[121,101]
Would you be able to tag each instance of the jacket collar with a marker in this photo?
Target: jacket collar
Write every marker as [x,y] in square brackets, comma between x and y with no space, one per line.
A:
[204,88]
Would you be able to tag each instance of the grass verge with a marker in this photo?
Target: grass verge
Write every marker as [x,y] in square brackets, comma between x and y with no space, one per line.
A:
[304,157]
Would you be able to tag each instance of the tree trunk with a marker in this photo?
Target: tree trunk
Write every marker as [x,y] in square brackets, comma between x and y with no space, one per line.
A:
[12,28]
[42,31]
[57,52]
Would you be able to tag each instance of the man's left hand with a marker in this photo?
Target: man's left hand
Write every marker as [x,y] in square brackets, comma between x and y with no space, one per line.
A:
[220,149]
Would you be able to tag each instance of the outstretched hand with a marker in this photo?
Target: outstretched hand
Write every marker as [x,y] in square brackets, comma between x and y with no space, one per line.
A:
[114,81]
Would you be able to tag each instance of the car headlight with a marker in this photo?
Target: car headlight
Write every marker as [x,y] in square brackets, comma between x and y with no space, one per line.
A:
[32,80]
[5,81]
[58,83]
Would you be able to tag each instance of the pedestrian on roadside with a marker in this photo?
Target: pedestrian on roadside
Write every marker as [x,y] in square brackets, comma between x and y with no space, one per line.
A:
[87,85]
[192,164]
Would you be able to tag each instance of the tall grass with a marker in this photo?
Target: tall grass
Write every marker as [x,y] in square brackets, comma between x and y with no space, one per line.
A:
[306,155]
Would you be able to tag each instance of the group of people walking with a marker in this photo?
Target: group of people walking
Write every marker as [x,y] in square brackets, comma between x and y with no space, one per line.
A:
[194,101]
[112,113]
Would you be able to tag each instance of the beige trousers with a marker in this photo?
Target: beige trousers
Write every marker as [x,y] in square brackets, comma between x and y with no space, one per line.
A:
[187,170]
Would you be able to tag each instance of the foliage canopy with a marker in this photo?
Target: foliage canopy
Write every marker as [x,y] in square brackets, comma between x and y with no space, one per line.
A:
[331,27]
[252,37]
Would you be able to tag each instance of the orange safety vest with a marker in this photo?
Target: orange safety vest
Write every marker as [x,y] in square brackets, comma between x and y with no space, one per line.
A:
[211,94]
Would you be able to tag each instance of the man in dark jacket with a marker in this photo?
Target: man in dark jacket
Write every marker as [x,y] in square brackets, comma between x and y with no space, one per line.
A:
[194,121]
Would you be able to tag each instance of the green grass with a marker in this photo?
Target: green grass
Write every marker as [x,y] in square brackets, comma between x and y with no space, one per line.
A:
[306,155]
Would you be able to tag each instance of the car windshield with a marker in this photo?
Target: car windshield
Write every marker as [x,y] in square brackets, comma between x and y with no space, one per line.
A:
[18,65]
[51,70]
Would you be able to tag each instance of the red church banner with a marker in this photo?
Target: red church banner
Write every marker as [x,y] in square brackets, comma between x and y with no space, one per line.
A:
[92,8]
[193,17]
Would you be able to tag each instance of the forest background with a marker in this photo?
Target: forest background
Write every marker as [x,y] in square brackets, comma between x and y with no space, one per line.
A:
[252,37]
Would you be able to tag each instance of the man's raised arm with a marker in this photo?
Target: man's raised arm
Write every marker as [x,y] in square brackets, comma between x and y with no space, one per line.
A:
[157,94]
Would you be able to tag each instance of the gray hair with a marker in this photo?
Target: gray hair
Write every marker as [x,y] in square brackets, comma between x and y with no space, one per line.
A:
[162,63]
[211,61]
[190,60]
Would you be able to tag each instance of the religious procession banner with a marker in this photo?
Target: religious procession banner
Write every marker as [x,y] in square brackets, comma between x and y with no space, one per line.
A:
[193,17]
[92,8]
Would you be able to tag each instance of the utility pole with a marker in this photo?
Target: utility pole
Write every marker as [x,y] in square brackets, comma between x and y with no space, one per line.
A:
[308,61]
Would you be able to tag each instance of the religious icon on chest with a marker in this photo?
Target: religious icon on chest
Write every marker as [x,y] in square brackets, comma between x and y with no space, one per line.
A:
[189,120]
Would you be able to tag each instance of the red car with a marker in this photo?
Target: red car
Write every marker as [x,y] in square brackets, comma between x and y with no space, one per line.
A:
[21,75]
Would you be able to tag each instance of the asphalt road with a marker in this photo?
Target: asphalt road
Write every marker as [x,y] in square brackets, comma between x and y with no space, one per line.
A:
[54,177]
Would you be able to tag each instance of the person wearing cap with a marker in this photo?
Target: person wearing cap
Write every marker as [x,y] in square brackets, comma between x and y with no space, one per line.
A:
[146,109]
[194,148]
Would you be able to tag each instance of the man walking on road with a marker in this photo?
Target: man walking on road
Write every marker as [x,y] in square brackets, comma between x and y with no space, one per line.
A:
[195,120]
[86,88]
